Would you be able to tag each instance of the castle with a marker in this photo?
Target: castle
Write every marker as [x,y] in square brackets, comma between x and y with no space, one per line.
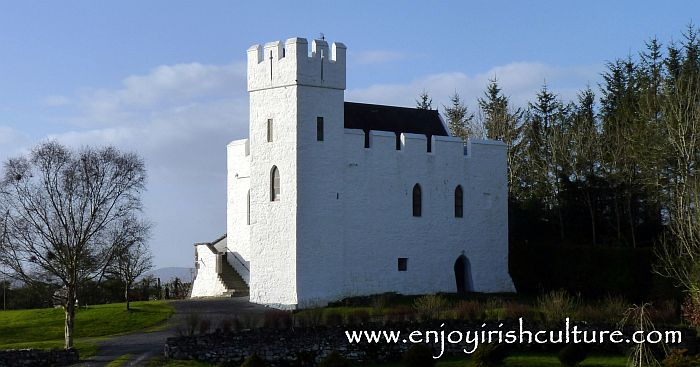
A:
[328,199]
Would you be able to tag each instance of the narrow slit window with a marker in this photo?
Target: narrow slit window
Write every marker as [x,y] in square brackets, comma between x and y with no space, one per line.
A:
[269,130]
[403,264]
[275,184]
[319,128]
[398,141]
[366,138]
[430,143]
[248,210]
[417,201]
[459,202]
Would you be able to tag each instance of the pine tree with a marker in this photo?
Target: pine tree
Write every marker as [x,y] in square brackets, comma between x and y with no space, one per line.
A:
[545,147]
[504,124]
[459,119]
[424,102]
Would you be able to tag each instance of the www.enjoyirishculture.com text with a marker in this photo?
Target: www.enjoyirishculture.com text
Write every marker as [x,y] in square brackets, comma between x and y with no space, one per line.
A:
[475,337]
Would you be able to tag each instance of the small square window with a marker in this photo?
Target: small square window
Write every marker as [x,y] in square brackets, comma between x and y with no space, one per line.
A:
[403,264]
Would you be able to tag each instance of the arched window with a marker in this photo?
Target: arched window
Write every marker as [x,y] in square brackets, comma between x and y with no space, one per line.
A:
[417,201]
[275,184]
[248,212]
[459,202]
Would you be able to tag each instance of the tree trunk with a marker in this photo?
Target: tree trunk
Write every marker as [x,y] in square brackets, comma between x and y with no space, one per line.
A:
[591,212]
[126,295]
[70,318]
[630,218]
[617,216]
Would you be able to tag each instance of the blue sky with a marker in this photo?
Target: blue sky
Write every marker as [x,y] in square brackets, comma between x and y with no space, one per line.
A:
[167,78]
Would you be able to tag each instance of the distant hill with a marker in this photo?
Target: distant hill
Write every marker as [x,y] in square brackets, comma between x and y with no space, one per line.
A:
[168,274]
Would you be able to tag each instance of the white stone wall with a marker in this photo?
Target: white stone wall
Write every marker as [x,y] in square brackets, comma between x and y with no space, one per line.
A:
[238,186]
[206,283]
[345,214]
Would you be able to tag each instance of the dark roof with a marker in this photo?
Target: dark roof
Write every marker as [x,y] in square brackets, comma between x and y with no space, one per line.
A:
[395,119]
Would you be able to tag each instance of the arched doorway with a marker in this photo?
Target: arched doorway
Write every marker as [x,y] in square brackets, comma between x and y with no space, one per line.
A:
[463,275]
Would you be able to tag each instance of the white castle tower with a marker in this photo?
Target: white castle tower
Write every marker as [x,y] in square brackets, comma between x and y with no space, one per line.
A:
[322,197]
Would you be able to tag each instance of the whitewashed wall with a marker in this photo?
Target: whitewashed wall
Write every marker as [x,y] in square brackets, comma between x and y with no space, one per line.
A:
[345,214]
[207,282]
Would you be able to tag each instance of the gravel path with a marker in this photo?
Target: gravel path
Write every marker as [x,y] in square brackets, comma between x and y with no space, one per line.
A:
[146,345]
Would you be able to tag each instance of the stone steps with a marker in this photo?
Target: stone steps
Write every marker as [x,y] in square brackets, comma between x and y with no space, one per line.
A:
[235,285]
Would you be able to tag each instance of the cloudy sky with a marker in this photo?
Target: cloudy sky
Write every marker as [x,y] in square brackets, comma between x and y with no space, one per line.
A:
[167,78]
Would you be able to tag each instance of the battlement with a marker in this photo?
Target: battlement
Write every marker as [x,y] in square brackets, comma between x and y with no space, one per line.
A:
[280,64]
[384,142]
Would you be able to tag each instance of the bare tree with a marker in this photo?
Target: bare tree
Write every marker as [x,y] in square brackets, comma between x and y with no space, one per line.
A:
[61,210]
[679,250]
[133,257]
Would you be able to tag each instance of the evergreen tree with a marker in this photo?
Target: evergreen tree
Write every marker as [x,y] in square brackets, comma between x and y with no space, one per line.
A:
[424,102]
[544,149]
[504,124]
[459,120]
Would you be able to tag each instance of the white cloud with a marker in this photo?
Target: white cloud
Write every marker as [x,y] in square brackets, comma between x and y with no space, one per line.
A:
[520,81]
[376,56]
[12,142]
[165,87]
[179,118]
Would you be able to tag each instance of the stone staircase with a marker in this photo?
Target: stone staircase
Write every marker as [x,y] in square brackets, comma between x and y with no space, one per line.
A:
[235,285]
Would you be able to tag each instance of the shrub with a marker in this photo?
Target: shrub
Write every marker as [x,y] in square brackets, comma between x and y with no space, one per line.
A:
[254,361]
[679,358]
[189,326]
[400,313]
[470,310]
[309,318]
[489,355]
[664,312]
[429,306]
[332,318]
[226,325]
[590,313]
[204,326]
[334,359]
[358,317]
[277,319]
[556,306]
[691,311]
[514,310]
[418,355]
[614,308]
[572,354]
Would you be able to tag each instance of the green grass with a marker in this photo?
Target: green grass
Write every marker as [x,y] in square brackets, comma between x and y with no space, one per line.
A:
[43,328]
[535,361]
[119,361]
[161,362]
[514,361]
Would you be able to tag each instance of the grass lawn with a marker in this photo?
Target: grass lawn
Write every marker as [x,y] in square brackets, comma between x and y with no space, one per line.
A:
[119,361]
[535,361]
[514,361]
[43,328]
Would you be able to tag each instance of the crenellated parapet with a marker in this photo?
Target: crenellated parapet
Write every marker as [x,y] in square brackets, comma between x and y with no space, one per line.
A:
[280,64]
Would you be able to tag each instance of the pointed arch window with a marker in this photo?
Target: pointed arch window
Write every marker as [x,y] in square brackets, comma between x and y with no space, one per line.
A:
[459,202]
[417,201]
[275,184]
